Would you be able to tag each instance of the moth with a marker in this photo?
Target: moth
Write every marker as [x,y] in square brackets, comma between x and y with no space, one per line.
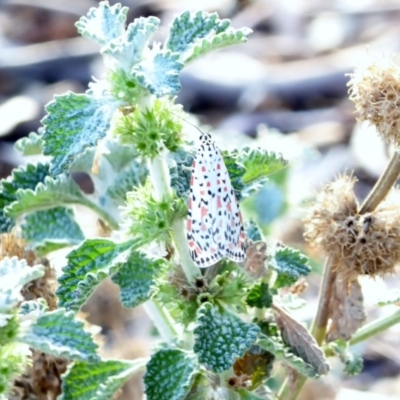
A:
[214,223]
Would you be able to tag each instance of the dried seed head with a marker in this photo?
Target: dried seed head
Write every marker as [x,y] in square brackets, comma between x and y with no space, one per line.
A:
[358,244]
[375,90]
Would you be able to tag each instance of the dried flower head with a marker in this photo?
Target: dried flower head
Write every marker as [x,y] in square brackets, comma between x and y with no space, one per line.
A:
[358,244]
[375,90]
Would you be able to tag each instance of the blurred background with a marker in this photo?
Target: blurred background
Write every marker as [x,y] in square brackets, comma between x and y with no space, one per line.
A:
[284,90]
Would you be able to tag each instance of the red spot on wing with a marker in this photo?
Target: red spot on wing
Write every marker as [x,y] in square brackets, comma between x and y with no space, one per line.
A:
[219,203]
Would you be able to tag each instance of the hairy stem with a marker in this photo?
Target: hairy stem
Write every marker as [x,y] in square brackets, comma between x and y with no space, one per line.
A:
[161,320]
[375,327]
[382,187]
[318,328]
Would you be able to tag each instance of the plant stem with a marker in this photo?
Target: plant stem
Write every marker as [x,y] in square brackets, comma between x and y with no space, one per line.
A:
[161,320]
[375,327]
[382,187]
[178,236]
[318,328]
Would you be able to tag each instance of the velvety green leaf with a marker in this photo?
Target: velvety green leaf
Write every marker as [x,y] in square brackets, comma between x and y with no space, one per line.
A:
[128,48]
[26,177]
[252,231]
[221,337]
[74,122]
[181,171]
[36,307]
[194,34]
[284,354]
[236,171]
[170,374]
[14,273]
[49,194]
[98,380]
[259,296]
[88,265]
[126,181]
[353,363]
[290,265]
[259,164]
[58,333]
[52,229]
[161,76]
[104,23]
[136,279]
[30,145]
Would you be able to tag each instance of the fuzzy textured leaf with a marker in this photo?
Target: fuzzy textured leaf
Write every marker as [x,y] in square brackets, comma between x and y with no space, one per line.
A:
[136,279]
[88,265]
[221,337]
[58,333]
[252,231]
[30,145]
[126,181]
[181,171]
[104,23]
[52,229]
[26,177]
[128,48]
[160,76]
[259,164]
[73,123]
[259,296]
[194,34]
[170,374]
[14,273]
[99,380]
[49,194]
[284,354]
[290,265]
[300,340]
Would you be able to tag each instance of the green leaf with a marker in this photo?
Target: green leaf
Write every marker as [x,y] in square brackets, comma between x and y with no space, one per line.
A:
[252,231]
[26,177]
[194,34]
[290,265]
[170,374]
[259,164]
[136,279]
[99,380]
[161,76]
[221,337]
[58,333]
[104,23]
[353,363]
[284,354]
[30,145]
[127,49]
[49,194]
[92,262]
[14,273]
[74,122]
[181,170]
[34,307]
[52,229]
[126,180]
[259,296]
[236,171]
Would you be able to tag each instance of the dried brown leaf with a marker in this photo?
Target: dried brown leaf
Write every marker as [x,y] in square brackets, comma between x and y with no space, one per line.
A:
[300,340]
[346,309]
[256,255]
